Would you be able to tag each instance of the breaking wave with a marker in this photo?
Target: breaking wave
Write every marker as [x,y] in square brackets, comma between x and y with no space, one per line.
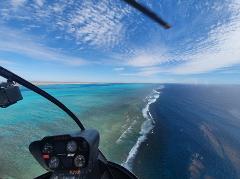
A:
[126,132]
[146,128]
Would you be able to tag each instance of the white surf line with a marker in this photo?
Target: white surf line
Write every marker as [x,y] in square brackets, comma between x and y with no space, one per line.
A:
[127,131]
[146,128]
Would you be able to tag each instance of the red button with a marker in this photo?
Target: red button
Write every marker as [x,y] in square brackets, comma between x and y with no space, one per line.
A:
[46,157]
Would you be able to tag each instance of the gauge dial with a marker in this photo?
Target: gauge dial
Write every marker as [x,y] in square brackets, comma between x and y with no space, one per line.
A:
[53,162]
[47,148]
[71,146]
[79,161]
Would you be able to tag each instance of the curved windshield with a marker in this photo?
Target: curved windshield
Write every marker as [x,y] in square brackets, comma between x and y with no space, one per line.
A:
[159,80]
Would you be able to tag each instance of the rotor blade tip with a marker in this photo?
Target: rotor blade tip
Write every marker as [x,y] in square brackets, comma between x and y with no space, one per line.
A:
[167,26]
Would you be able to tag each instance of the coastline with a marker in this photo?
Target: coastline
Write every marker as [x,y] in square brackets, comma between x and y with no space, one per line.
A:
[189,122]
[77,82]
[146,128]
[60,83]
[151,159]
[187,140]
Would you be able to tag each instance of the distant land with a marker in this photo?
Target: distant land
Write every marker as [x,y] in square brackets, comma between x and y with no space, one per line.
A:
[60,82]
[76,82]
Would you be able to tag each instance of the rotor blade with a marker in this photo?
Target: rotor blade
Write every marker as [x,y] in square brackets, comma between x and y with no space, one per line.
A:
[148,13]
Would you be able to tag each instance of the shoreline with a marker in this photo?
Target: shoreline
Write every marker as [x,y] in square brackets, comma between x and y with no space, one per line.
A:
[42,83]
[151,152]
[146,128]
[60,83]
[77,82]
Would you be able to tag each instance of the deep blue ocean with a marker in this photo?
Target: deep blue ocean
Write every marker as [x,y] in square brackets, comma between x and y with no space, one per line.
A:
[155,130]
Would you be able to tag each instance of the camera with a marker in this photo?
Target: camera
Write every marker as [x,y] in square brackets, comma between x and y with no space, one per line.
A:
[9,94]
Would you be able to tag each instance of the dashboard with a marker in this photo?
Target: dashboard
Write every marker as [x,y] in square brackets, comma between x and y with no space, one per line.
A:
[66,154]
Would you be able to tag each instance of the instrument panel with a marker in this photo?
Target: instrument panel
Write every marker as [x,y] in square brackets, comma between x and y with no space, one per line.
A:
[62,153]
[66,154]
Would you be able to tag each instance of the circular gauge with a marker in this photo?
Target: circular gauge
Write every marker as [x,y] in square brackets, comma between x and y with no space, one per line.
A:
[47,148]
[53,162]
[79,161]
[71,146]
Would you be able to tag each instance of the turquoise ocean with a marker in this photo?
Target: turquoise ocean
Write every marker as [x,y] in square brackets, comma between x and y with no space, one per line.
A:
[157,131]
[117,111]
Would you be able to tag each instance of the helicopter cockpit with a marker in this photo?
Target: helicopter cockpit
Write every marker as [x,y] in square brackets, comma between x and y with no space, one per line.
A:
[69,156]
[63,156]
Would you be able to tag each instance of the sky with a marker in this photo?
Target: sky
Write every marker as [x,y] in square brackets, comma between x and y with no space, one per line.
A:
[108,41]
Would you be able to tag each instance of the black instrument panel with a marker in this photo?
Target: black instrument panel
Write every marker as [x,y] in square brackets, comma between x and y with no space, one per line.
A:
[64,152]
[61,153]
[68,155]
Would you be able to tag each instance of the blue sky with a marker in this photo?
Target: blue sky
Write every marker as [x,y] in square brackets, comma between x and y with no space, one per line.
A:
[108,41]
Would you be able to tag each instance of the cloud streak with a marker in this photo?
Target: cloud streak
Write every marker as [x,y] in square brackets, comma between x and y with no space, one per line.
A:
[224,53]
[118,69]
[195,44]
[18,43]
[98,24]
[217,50]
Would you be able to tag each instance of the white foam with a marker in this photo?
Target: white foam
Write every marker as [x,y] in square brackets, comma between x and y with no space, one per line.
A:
[126,132]
[146,128]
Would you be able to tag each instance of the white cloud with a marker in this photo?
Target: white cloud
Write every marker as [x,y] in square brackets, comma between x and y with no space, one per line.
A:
[95,23]
[225,51]
[19,43]
[17,3]
[40,2]
[100,24]
[144,72]
[5,62]
[149,57]
[219,49]
[118,69]
[144,60]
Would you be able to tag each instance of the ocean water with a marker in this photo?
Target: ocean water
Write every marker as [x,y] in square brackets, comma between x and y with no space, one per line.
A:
[156,131]
[115,110]
[196,134]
